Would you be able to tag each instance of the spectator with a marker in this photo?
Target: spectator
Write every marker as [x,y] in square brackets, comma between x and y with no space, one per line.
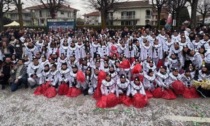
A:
[18,76]
[5,74]
[7,49]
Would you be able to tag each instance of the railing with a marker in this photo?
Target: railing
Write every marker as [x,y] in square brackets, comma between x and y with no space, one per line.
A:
[148,16]
[127,17]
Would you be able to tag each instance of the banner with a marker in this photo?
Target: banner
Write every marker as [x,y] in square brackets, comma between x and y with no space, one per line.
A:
[59,25]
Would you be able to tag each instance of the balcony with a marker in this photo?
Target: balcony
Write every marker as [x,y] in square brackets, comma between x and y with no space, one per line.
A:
[127,17]
[148,16]
[27,18]
[110,17]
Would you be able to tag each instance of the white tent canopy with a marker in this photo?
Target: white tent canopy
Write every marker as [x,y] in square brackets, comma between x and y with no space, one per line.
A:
[14,23]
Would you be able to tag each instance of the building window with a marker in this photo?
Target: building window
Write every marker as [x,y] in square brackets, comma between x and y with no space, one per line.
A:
[62,13]
[69,14]
[147,21]
[40,13]
[128,23]
[42,21]
[148,12]
[128,15]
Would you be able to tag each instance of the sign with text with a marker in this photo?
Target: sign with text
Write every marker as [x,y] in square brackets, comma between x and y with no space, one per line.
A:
[59,25]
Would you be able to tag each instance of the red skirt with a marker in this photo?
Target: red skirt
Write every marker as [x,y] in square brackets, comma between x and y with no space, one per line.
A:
[149,94]
[168,94]
[157,93]
[73,92]
[139,101]
[123,99]
[178,87]
[190,93]
[38,90]
[63,89]
[50,92]
[107,101]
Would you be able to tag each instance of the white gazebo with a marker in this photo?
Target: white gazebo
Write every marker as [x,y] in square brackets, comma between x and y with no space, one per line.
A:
[14,23]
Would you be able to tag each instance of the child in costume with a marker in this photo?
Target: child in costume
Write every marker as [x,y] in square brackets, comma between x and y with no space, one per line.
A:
[123,90]
[108,88]
[139,97]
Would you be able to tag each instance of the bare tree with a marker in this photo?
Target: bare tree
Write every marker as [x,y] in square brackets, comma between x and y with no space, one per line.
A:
[158,4]
[53,6]
[203,9]
[18,4]
[194,5]
[103,6]
[175,6]
[4,7]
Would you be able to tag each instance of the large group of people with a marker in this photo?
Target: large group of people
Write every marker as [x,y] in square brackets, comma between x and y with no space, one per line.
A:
[115,66]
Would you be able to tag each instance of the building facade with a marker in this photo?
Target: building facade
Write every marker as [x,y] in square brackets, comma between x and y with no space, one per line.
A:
[131,13]
[93,18]
[26,15]
[38,15]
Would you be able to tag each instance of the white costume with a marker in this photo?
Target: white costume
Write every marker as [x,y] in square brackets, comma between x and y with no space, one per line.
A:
[123,88]
[137,89]
[108,87]
[34,70]
[161,79]
[64,76]
[149,82]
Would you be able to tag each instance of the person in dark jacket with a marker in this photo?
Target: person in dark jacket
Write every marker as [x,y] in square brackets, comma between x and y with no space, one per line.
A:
[5,72]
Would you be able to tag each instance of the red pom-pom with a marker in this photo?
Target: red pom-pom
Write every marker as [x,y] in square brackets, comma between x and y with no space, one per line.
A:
[123,99]
[139,100]
[160,63]
[158,92]
[190,93]
[137,69]
[168,94]
[63,89]
[178,87]
[45,87]
[107,101]
[101,76]
[73,92]
[141,77]
[112,100]
[149,94]
[102,102]
[97,94]
[125,64]
[50,92]
[38,90]
[80,76]
[113,48]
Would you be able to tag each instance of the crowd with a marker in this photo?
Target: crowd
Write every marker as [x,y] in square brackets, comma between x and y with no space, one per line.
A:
[115,66]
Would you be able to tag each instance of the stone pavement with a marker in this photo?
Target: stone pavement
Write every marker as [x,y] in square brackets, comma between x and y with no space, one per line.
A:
[22,108]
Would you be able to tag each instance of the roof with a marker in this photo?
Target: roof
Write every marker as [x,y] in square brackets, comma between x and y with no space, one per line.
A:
[63,7]
[25,11]
[133,4]
[96,13]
